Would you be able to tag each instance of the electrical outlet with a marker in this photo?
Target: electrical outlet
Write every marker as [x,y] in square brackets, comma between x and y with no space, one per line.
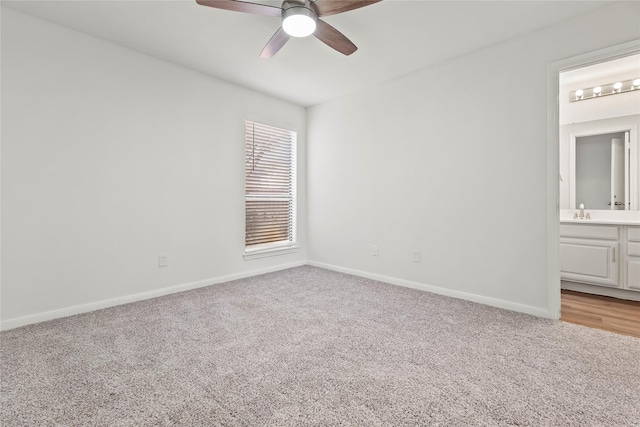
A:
[374,250]
[416,256]
[163,260]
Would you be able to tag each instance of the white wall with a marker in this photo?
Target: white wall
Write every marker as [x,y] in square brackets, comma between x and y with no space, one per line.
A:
[111,158]
[451,160]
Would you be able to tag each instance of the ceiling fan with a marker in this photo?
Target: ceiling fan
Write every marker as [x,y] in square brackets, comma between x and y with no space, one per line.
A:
[300,18]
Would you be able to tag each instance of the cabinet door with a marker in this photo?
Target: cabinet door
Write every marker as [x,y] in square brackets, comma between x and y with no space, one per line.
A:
[589,261]
[633,273]
[633,259]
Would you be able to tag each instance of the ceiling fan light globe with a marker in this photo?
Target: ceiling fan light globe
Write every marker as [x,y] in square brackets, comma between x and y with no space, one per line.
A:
[299,21]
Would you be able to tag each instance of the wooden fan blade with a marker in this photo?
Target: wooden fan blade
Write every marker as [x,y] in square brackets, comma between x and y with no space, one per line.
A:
[334,38]
[242,6]
[333,7]
[279,39]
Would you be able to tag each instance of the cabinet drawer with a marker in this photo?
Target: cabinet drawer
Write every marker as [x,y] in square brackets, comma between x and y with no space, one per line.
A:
[633,234]
[604,232]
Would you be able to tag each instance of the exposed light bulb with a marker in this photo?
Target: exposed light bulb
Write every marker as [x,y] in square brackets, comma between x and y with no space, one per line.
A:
[621,86]
[299,21]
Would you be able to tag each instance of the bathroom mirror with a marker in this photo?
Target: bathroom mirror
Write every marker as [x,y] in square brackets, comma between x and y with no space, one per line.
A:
[604,170]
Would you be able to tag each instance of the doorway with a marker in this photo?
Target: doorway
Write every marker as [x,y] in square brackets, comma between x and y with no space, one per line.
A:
[558,166]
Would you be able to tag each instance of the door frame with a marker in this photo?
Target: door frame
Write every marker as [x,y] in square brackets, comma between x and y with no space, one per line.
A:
[553,157]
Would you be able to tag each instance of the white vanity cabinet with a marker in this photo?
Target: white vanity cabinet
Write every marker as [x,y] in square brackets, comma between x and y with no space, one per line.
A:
[601,254]
[633,258]
[589,254]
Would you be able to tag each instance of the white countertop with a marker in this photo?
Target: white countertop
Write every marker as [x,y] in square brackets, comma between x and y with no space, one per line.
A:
[602,217]
[600,221]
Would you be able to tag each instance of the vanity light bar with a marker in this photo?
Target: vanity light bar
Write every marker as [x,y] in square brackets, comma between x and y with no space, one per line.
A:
[604,90]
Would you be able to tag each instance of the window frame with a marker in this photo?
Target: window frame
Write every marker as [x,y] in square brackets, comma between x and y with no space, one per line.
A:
[280,247]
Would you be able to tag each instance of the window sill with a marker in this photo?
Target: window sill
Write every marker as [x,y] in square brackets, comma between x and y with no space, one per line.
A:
[268,251]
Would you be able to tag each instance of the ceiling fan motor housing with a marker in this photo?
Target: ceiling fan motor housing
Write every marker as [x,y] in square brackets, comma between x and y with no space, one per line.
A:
[298,20]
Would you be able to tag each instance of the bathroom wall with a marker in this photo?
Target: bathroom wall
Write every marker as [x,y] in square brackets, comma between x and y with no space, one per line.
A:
[595,115]
[606,107]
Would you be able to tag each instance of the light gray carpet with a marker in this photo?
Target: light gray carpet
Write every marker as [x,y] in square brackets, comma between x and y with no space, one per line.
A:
[308,346]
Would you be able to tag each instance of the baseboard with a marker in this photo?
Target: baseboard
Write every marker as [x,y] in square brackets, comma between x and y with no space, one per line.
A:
[85,308]
[601,290]
[494,302]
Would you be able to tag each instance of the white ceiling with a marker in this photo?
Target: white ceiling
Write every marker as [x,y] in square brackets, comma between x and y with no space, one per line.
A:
[395,37]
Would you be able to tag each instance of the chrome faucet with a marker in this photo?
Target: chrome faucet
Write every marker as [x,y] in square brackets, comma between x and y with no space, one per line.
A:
[582,214]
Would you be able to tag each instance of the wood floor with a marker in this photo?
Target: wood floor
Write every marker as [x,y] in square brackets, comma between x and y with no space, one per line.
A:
[611,314]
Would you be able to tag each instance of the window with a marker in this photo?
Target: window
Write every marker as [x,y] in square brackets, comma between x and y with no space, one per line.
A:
[270,191]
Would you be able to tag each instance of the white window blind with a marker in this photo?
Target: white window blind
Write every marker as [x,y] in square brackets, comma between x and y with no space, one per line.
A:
[270,202]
